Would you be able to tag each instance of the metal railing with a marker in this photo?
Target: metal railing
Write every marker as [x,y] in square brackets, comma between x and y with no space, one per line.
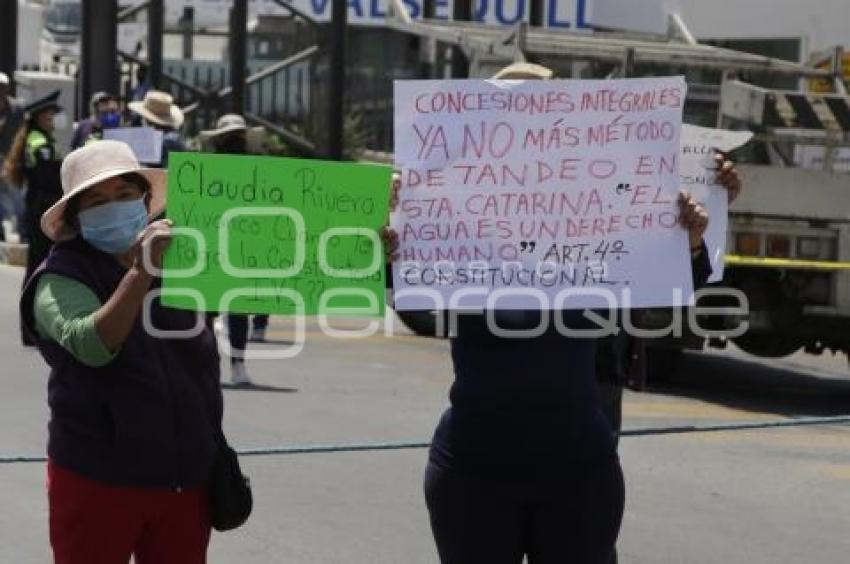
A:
[277,95]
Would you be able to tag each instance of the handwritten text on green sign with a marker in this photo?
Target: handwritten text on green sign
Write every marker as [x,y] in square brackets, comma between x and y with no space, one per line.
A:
[273,235]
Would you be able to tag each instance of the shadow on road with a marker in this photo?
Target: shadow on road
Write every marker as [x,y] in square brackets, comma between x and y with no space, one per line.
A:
[285,342]
[257,388]
[740,383]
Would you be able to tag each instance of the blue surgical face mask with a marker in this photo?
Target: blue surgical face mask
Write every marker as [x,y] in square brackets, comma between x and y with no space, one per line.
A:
[109,119]
[113,227]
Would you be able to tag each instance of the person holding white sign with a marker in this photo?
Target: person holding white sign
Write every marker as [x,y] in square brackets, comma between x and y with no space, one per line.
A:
[524,462]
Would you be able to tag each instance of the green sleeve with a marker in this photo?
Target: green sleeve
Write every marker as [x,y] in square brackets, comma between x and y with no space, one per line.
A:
[64,312]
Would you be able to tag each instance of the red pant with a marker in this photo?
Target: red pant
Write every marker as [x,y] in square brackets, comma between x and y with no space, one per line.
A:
[96,523]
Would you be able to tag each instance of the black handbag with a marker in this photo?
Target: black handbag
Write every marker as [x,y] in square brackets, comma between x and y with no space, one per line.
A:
[231,500]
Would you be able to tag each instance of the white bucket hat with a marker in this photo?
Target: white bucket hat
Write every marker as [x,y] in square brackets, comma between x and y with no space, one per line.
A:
[229,123]
[523,71]
[91,165]
[158,107]
[226,124]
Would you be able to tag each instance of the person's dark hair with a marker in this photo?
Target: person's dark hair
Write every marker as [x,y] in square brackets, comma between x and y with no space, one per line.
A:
[138,180]
[13,166]
[73,207]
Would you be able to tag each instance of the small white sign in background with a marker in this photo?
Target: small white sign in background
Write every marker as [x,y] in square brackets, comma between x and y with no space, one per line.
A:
[146,142]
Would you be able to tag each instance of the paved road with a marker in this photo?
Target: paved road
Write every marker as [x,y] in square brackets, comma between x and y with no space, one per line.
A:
[763,497]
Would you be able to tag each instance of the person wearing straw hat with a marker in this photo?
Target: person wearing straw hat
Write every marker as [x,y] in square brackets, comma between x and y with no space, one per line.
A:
[159,111]
[230,136]
[523,71]
[134,414]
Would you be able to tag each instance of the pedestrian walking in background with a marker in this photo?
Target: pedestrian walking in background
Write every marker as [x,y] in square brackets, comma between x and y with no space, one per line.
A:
[158,111]
[11,117]
[134,415]
[230,136]
[105,114]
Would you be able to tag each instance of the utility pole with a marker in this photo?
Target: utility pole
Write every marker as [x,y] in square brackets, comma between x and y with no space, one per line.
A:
[9,38]
[238,36]
[460,64]
[99,50]
[427,46]
[336,100]
[536,17]
[186,23]
[155,10]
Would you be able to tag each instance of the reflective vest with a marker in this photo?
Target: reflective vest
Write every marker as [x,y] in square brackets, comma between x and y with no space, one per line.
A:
[37,142]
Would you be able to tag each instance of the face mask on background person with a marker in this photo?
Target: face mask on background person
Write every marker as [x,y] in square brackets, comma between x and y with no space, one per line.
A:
[113,227]
[60,121]
[109,119]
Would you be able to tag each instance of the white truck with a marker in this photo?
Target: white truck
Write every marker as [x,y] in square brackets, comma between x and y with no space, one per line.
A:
[789,233]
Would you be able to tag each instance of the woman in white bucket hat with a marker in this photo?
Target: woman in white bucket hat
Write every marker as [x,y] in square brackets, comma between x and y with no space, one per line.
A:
[231,136]
[134,415]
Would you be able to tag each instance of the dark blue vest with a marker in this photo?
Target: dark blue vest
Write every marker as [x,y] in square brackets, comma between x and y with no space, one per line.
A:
[149,417]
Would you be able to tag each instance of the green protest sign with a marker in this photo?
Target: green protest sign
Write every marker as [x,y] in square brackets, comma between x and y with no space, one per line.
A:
[273,235]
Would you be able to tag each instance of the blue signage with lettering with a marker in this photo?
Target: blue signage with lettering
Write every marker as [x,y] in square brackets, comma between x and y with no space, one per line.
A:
[558,13]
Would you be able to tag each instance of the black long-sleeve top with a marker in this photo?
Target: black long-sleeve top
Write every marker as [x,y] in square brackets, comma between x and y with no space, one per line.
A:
[526,408]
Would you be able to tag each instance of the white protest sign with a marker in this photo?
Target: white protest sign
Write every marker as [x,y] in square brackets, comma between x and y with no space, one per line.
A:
[539,194]
[698,170]
[146,142]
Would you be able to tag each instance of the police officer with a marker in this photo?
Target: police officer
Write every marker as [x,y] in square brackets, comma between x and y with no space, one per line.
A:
[34,163]
[11,117]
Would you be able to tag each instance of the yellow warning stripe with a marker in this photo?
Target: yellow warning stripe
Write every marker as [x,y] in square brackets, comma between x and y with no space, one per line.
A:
[799,264]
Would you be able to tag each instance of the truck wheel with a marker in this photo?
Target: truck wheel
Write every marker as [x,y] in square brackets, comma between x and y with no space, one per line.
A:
[423,323]
[767,345]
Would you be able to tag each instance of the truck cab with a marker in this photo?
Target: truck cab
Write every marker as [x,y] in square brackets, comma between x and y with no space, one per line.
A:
[788,246]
